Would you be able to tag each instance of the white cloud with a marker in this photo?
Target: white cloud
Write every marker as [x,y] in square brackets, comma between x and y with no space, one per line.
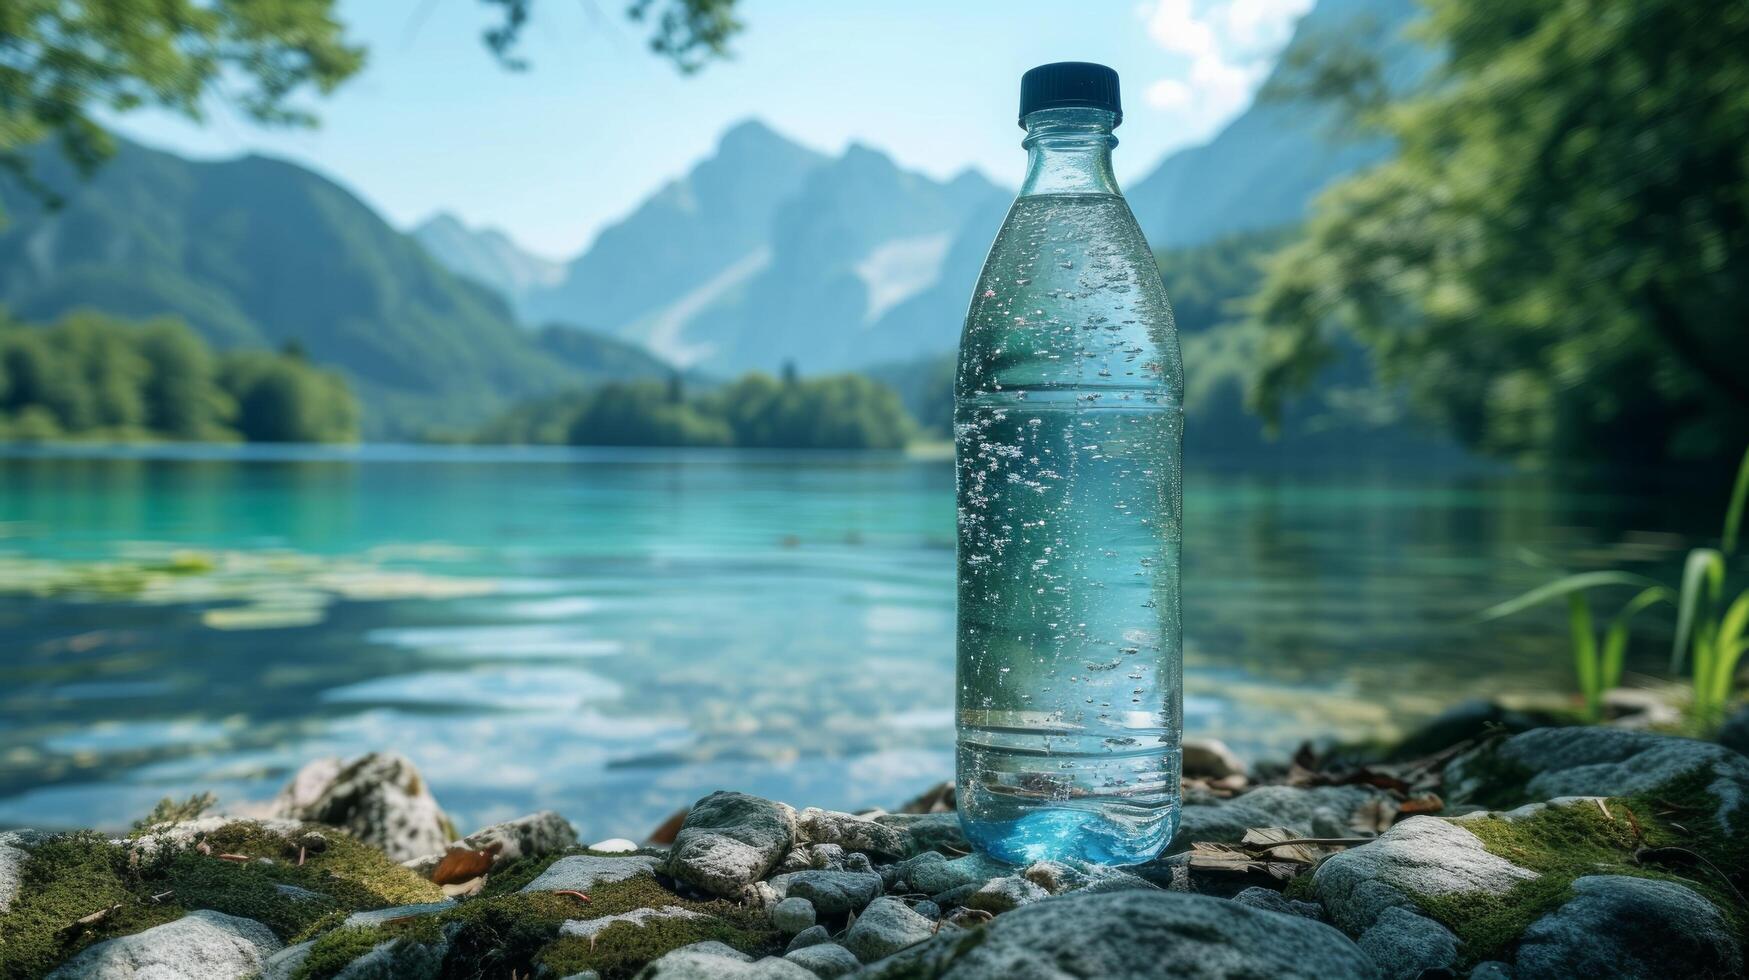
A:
[1222,52]
[1168,93]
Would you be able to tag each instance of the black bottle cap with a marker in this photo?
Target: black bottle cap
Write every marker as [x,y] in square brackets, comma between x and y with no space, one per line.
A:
[1069,83]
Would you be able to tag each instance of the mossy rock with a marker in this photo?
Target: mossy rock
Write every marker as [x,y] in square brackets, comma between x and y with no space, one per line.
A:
[69,877]
[496,934]
[1666,834]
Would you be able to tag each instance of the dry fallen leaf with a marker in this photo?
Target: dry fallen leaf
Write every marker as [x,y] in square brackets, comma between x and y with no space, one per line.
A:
[461,864]
[670,827]
[1279,844]
[1423,804]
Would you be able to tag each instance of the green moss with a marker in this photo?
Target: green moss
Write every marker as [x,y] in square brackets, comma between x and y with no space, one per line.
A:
[70,877]
[1564,843]
[1299,888]
[356,875]
[64,880]
[335,950]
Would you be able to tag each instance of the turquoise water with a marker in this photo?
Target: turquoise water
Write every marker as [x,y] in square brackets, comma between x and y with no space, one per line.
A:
[614,633]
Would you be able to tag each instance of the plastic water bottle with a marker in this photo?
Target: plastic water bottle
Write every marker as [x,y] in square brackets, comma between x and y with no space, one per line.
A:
[1068,426]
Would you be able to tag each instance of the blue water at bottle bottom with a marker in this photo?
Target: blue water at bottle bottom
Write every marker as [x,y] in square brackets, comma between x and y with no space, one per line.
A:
[1073,833]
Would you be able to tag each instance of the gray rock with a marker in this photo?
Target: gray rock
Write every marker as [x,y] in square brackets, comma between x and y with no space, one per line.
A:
[711,947]
[284,964]
[1006,894]
[201,945]
[374,917]
[1058,877]
[637,917]
[1210,758]
[827,960]
[858,862]
[1403,944]
[730,840]
[297,894]
[853,833]
[1462,722]
[928,831]
[394,960]
[1596,761]
[1271,900]
[928,910]
[1619,926]
[1133,935]
[792,915]
[687,964]
[12,856]
[885,927]
[1420,856]
[1491,970]
[814,857]
[1734,733]
[954,898]
[833,894]
[1321,811]
[930,873]
[811,936]
[581,872]
[379,798]
[535,835]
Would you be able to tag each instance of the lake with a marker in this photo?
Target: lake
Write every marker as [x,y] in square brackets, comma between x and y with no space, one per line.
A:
[612,634]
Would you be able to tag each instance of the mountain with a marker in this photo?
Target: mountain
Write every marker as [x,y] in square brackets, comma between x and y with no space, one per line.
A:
[698,235]
[256,252]
[487,256]
[768,252]
[1264,168]
[860,238]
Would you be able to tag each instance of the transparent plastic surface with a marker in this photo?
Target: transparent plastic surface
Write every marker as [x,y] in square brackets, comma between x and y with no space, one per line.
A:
[1068,431]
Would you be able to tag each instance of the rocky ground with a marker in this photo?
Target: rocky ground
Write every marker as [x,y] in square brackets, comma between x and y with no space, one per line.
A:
[1483,847]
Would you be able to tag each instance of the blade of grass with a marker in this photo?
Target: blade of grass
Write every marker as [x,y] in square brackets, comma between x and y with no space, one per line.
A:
[1561,587]
[1734,511]
[1704,570]
[1727,647]
[1615,639]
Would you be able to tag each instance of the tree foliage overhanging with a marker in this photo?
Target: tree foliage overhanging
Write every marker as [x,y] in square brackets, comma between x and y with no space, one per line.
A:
[1556,262]
[756,412]
[94,376]
[64,61]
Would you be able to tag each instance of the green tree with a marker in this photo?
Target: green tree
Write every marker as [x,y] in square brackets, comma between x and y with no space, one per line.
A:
[68,59]
[639,413]
[182,396]
[282,399]
[1556,262]
[65,61]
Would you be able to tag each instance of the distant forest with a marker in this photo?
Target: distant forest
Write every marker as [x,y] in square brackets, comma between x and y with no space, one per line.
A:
[93,376]
[845,411]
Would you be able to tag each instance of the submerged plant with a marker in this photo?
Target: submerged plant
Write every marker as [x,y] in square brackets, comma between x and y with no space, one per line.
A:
[1711,635]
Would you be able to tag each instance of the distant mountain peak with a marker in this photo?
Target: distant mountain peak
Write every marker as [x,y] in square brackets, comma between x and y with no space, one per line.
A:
[486,255]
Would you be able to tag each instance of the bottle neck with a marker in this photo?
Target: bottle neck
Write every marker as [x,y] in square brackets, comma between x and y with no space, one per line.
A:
[1069,152]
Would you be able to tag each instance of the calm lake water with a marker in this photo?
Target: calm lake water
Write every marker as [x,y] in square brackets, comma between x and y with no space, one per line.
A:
[614,633]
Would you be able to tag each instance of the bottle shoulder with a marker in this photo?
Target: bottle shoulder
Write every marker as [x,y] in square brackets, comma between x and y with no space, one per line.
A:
[1070,297]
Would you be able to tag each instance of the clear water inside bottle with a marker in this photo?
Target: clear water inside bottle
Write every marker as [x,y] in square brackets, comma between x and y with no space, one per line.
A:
[1068,430]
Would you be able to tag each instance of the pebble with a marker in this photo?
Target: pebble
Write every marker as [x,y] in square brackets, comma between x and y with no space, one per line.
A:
[885,927]
[826,960]
[792,915]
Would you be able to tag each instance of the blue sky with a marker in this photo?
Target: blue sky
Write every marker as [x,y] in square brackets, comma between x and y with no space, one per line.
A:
[597,123]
